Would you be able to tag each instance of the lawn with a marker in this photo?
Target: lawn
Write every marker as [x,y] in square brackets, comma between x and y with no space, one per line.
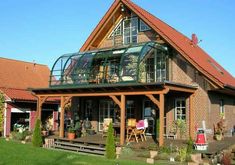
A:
[16,153]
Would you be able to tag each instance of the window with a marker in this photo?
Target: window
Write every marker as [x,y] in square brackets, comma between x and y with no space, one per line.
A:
[117,30]
[130,107]
[130,30]
[143,26]
[180,109]
[161,65]
[221,109]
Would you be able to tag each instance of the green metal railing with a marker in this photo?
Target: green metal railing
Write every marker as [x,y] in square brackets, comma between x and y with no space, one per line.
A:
[109,66]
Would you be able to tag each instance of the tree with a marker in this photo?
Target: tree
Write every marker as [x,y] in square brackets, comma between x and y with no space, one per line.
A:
[110,144]
[2,101]
[37,137]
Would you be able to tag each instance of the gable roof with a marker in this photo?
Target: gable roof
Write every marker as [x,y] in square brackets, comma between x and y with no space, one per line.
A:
[18,94]
[193,53]
[17,76]
[23,75]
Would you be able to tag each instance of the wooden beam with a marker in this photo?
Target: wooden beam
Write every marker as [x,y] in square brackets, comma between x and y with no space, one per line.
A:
[62,104]
[181,89]
[154,100]
[115,99]
[67,99]
[122,126]
[161,116]
[106,94]
[40,101]
[191,116]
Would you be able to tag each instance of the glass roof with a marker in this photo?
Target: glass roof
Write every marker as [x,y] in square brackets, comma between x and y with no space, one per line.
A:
[116,65]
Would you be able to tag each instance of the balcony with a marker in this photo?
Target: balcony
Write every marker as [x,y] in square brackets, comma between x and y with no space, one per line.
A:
[141,63]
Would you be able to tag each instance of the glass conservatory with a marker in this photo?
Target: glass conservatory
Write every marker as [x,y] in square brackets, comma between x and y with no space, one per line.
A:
[141,63]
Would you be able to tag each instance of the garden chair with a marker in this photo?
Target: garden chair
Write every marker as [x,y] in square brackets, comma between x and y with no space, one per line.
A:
[131,125]
[139,130]
[106,123]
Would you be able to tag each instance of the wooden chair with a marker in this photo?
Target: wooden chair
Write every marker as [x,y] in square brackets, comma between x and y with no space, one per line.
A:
[106,123]
[139,131]
[131,125]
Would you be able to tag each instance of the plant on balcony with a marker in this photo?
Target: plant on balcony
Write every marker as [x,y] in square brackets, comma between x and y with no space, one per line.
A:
[110,143]
[37,137]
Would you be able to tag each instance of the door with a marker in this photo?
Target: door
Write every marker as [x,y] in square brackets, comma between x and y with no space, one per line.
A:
[149,113]
[106,110]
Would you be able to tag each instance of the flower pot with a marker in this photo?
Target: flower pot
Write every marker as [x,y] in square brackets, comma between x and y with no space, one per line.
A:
[71,135]
[118,151]
[218,137]
[44,133]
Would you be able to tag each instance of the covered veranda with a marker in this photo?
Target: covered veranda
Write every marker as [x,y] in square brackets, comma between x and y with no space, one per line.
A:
[156,92]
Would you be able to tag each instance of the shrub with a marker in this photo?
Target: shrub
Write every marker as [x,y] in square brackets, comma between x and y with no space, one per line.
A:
[165,149]
[162,156]
[182,155]
[190,146]
[37,137]
[181,126]
[110,143]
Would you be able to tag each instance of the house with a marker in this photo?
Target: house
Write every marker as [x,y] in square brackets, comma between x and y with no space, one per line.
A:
[17,77]
[133,65]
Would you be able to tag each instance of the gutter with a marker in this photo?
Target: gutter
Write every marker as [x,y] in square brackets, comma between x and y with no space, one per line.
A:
[229,87]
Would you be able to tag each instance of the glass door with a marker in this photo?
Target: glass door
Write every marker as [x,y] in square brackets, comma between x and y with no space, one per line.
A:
[106,110]
[149,113]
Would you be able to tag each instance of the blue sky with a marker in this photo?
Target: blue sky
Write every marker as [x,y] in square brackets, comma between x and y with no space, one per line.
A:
[42,30]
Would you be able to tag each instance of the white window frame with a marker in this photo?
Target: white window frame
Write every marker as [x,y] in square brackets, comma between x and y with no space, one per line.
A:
[130,28]
[143,24]
[177,115]
[130,109]
[119,24]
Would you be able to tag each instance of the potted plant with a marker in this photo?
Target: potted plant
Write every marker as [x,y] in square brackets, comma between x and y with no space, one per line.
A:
[78,128]
[44,131]
[71,133]
[218,135]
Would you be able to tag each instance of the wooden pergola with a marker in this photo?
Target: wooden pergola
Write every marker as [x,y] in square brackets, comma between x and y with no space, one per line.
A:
[155,92]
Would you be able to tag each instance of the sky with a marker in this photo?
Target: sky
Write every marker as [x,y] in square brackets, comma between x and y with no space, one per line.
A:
[42,30]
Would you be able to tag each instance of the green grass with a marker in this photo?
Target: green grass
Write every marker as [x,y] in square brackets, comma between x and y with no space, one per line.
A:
[15,153]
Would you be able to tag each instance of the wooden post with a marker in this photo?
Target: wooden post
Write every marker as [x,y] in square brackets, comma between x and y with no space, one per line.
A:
[191,116]
[62,117]
[40,101]
[161,116]
[39,108]
[122,126]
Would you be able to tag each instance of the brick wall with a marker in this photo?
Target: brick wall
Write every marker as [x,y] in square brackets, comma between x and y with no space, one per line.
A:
[142,37]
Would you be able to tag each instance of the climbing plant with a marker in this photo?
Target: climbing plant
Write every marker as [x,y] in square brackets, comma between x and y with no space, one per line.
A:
[2,100]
